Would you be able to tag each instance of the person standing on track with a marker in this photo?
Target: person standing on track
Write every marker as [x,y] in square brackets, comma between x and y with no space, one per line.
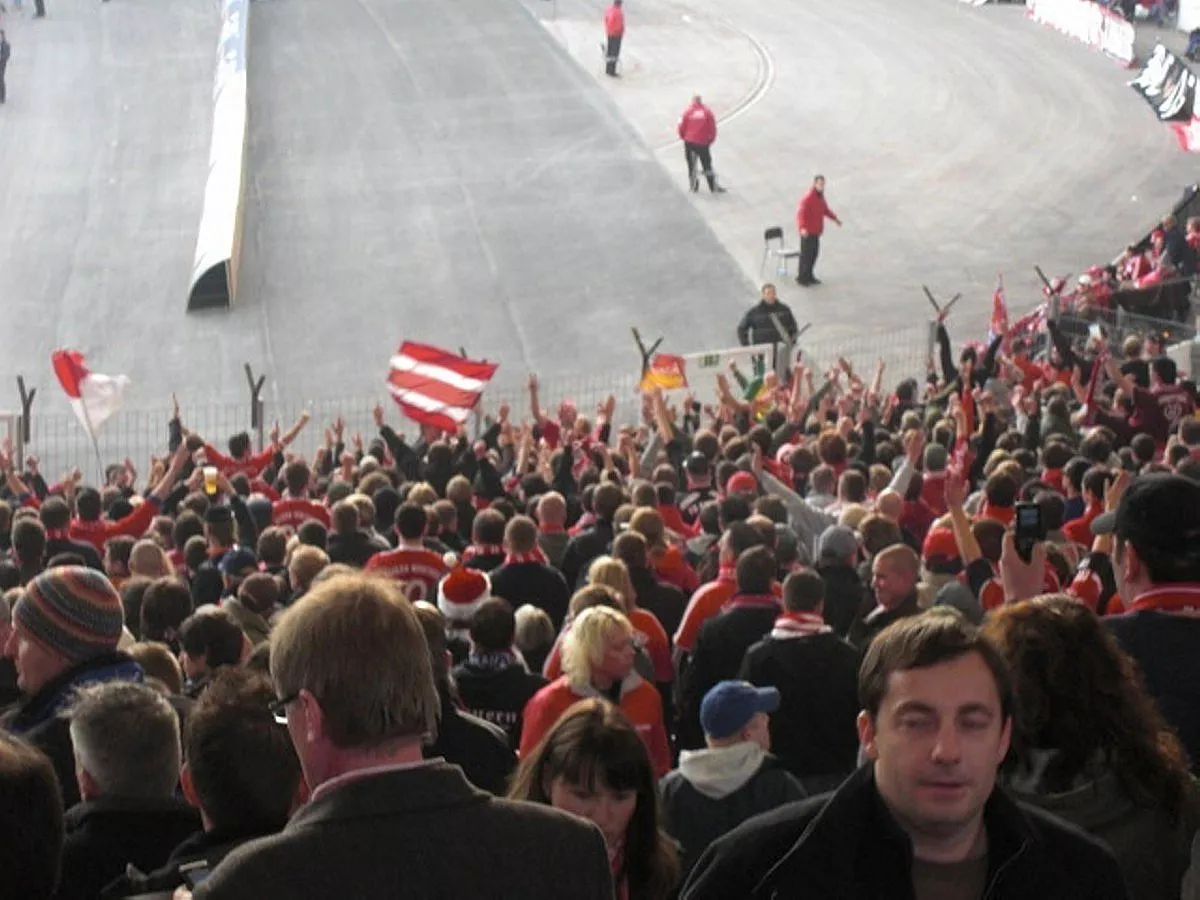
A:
[614,30]
[698,130]
[5,53]
[810,219]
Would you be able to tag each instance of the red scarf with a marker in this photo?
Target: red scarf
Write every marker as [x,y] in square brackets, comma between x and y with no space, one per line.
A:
[482,550]
[799,624]
[533,556]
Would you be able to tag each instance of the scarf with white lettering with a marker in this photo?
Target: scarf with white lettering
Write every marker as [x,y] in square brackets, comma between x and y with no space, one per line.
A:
[798,624]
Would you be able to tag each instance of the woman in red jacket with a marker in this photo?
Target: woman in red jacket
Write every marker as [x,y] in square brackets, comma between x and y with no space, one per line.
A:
[592,764]
[598,656]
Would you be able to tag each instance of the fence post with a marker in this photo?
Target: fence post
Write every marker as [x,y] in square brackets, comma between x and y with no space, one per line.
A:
[23,431]
[931,341]
[256,404]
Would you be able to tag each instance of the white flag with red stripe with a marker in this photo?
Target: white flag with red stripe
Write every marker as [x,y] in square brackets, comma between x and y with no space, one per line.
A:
[436,387]
[94,397]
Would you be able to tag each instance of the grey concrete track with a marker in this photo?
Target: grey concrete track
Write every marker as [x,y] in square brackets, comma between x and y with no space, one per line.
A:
[444,172]
[103,150]
[958,142]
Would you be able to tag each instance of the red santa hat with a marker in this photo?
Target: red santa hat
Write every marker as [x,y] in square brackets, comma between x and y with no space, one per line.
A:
[462,592]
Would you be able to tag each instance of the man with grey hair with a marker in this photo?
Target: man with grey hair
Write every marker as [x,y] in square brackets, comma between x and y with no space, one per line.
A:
[356,690]
[127,757]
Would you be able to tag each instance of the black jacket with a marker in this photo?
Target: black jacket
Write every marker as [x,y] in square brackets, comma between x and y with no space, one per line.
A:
[103,836]
[756,326]
[206,848]
[582,549]
[534,583]
[846,845]
[352,549]
[38,721]
[863,631]
[82,549]
[813,732]
[695,819]
[843,596]
[497,695]
[717,655]
[665,600]
[477,747]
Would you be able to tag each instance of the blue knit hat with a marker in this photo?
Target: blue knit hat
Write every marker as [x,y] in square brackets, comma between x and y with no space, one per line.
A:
[73,611]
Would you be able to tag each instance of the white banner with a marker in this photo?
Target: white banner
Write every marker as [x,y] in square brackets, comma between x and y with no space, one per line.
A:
[1189,15]
[214,271]
[1088,22]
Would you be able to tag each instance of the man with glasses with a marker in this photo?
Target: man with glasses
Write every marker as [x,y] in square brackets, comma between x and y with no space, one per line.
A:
[356,690]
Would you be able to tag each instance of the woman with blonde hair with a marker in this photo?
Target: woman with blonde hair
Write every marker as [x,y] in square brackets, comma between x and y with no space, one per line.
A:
[149,560]
[585,598]
[593,764]
[1089,745]
[598,658]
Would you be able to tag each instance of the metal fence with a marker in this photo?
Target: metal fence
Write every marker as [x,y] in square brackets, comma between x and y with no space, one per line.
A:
[60,444]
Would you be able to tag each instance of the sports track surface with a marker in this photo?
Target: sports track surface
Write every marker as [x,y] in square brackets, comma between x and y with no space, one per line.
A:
[460,173]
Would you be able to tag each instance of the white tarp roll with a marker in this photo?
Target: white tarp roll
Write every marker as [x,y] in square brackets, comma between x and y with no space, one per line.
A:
[214,271]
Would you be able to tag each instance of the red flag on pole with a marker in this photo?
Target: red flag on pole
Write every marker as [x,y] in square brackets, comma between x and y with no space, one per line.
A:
[436,387]
[999,322]
[94,397]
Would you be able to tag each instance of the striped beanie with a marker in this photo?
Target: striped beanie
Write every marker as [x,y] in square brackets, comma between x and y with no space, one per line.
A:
[73,611]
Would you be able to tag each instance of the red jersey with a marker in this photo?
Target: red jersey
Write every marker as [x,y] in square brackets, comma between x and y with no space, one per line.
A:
[292,512]
[227,465]
[417,572]
[1174,401]
[98,532]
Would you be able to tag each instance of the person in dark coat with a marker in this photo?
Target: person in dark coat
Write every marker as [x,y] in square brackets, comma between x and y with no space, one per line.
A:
[837,558]
[595,540]
[65,633]
[816,673]
[479,748]
[724,639]
[924,817]
[56,519]
[242,773]
[348,543]
[757,326]
[5,54]
[525,576]
[894,581]
[716,789]
[666,601]
[126,740]
[492,682]
[382,821]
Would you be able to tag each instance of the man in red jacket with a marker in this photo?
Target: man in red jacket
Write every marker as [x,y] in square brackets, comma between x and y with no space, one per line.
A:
[614,30]
[810,219]
[698,130]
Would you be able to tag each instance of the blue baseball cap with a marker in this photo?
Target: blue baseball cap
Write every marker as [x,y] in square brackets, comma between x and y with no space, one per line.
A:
[237,560]
[729,705]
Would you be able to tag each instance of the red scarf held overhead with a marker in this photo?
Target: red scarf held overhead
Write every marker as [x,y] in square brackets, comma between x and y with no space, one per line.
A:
[799,624]
[533,556]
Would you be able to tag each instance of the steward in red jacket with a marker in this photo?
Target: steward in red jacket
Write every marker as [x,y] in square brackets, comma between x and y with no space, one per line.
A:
[614,31]
[810,220]
[698,130]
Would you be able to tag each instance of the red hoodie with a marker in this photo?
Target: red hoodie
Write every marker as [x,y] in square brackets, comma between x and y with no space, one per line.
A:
[614,21]
[98,532]
[813,211]
[698,125]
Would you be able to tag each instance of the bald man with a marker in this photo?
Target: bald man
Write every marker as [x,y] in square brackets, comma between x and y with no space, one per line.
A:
[894,574]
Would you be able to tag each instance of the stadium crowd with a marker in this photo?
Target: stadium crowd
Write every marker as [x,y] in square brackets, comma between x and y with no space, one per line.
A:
[820,638]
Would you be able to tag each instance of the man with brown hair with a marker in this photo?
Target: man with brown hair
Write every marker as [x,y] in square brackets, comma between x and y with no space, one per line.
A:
[358,713]
[924,818]
[31,820]
[525,576]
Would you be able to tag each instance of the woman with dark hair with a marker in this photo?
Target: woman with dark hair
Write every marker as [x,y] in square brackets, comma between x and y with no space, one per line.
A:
[1089,745]
[593,764]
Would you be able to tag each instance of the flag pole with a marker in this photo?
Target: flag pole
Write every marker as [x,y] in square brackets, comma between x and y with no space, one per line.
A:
[87,421]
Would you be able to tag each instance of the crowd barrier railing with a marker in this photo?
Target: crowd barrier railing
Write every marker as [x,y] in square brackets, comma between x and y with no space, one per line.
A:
[1088,22]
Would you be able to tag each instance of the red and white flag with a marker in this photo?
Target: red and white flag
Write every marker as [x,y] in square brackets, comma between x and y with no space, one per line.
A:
[999,322]
[95,398]
[436,387]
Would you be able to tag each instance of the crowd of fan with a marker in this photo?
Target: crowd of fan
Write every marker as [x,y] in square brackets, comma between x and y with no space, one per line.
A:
[784,644]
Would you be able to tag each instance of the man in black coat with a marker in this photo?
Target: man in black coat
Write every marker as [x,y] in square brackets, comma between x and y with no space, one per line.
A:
[5,53]
[664,600]
[925,816]
[56,519]
[813,731]
[492,682]
[525,577]
[724,639]
[382,821]
[757,326]
[594,541]
[894,574]
[126,740]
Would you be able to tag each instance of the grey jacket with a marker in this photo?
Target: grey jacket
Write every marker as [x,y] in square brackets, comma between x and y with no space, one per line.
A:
[421,832]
